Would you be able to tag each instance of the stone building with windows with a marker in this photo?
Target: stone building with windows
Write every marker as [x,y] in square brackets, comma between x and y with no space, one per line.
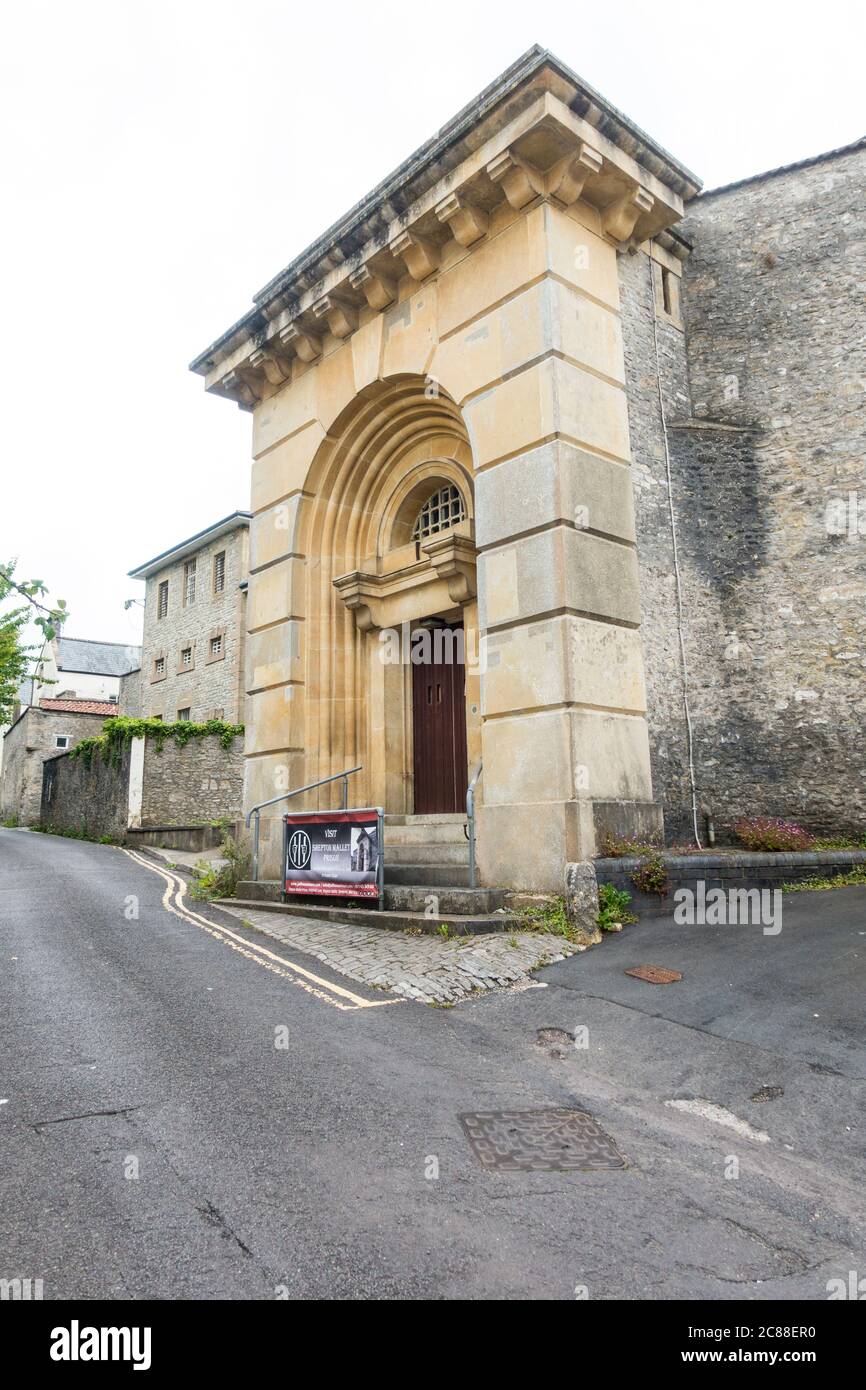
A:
[540,400]
[192,664]
[41,732]
[76,687]
[77,668]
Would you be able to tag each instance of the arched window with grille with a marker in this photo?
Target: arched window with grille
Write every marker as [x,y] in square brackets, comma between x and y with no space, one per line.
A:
[445,508]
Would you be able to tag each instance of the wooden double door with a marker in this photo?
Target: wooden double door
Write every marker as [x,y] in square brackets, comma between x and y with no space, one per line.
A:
[439,731]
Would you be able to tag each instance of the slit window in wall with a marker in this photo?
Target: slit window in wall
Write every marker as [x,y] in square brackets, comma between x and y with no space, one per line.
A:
[667,291]
[189,583]
[162,600]
[183,715]
[219,572]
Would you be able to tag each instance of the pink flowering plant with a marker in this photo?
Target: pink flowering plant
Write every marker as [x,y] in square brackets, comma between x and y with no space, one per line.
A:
[768,833]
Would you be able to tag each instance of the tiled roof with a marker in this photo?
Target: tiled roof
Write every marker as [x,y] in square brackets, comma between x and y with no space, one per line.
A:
[80,706]
[97,658]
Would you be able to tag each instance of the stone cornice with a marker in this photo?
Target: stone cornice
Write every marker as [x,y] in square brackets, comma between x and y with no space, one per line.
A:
[537,134]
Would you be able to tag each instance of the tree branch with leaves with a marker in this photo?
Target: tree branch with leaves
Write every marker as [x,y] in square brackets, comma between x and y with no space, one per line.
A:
[19,659]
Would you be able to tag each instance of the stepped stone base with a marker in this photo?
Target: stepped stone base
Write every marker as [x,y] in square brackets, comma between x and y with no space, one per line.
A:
[458,924]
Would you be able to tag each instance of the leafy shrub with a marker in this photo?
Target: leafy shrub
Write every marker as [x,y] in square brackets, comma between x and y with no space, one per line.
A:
[776,836]
[221,880]
[613,907]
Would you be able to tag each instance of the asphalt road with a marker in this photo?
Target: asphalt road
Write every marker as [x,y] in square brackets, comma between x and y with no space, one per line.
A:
[185,1116]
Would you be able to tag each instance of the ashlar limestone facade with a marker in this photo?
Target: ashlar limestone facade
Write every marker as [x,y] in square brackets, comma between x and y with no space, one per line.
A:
[460,329]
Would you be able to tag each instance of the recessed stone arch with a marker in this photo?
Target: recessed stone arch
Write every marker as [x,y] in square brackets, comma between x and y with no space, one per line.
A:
[391,446]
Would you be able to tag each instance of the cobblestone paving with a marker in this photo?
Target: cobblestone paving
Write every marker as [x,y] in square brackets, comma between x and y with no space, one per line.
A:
[418,967]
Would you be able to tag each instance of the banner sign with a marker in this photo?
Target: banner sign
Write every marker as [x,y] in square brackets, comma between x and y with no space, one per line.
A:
[334,854]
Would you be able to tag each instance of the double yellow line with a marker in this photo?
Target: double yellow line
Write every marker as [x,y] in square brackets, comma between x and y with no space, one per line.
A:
[335,995]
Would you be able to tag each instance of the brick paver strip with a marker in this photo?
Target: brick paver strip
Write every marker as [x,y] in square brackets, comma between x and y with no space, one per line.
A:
[424,968]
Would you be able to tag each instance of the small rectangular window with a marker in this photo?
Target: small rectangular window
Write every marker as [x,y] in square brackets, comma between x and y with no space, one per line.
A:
[186,658]
[62,741]
[162,602]
[216,646]
[158,717]
[159,666]
[219,572]
[183,714]
[189,583]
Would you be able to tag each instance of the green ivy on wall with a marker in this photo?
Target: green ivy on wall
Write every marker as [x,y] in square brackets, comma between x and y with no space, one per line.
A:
[118,733]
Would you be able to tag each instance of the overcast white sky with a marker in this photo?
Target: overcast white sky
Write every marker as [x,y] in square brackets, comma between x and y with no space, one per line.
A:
[162,161]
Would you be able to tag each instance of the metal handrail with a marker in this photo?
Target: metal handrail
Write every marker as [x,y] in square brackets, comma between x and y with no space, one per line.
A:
[287,796]
[470,817]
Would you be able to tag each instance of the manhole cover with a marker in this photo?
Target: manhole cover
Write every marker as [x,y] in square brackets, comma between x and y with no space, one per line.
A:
[768,1093]
[540,1141]
[655,974]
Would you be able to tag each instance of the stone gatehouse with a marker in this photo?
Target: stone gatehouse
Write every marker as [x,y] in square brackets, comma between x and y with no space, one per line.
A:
[541,399]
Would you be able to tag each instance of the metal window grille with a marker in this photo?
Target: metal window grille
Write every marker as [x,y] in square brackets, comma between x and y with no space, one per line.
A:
[219,572]
[445,508]
[162,606]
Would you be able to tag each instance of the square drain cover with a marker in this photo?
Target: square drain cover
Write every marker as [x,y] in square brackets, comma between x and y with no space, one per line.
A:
[540,1141]
[655,974]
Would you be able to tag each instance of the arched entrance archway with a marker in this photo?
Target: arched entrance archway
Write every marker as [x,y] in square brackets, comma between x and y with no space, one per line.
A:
[388,532]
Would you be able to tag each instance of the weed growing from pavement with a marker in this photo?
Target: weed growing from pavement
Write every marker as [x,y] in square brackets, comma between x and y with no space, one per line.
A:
[75,834]
[852,879]
[552,918]
[221,881]
[613,907]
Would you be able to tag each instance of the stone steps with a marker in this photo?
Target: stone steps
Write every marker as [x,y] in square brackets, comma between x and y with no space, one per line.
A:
[428,875]
[451,833]
[426,857]
[463,923]
[425,854]
[403,897]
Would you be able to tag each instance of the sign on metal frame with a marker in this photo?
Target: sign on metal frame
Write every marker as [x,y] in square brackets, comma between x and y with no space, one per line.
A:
[334,854]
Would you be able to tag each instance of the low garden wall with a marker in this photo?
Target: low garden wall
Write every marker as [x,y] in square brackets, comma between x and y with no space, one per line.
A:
[727,869]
